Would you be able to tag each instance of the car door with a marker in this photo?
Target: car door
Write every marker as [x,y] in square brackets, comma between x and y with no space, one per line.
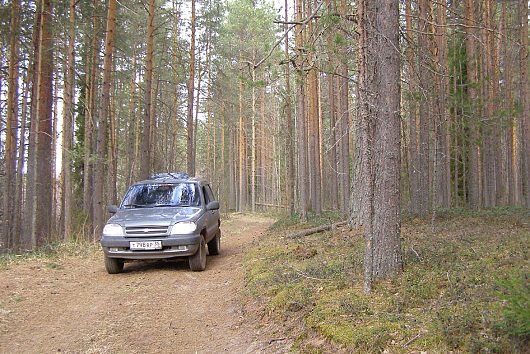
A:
[212,216]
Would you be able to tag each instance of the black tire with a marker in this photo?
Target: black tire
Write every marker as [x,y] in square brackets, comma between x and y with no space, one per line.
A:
[197,262]
[113,265]
[214,246]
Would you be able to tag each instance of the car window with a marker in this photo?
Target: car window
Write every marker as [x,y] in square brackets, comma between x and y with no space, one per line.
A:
[208,194]
[157,195]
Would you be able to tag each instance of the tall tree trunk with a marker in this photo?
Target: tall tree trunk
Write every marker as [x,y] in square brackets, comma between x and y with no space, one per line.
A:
[420,192]
[243,180]
[264,153]
[507,166]
[300,116]
[175,122]
[344,122]
[43,207]
[131,155]
[312,120]
[223,187]
[332,103]
[197,106]
[380,89]
[68,119]
[8,235]
[55,233]
[146,137]
[88,171]
[525,104]
[112,180]
[489,128]
[30,205]
[413,110]
[289,117]
[210,124]
[474,184]
[253,147]
[19,199]
[99,172]
[191,87]
[232,175]
[442,195]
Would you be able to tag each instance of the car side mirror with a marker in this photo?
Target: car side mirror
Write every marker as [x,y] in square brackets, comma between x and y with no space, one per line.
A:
[113,209]
[213,205]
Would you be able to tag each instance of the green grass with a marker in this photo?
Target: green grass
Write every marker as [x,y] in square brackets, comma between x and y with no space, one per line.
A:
[465,287]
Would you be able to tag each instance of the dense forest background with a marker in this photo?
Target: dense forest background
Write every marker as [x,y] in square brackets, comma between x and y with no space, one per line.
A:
[268,101]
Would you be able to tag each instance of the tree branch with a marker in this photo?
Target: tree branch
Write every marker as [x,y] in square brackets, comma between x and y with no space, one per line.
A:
[303,24]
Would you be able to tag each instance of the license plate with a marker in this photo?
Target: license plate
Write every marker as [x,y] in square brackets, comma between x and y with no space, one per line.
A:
[145,245]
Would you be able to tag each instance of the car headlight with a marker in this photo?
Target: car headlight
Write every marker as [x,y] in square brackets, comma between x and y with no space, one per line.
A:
[113,230]
[186,227]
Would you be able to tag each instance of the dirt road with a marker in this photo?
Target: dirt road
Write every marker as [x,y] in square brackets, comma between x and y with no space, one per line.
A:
[72,305]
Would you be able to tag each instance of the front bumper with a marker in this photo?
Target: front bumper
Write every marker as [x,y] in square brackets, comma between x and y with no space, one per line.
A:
[172,246]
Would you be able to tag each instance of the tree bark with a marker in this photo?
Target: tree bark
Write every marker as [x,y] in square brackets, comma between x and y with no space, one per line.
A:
[145,165]
[442,184]
[300,116]
[413,110]
[30,204]
[68,120]
[332,103]
[191,87]
[525,102]
[474,184]
[131,148]
[489,141]
[99,173]
[10,161]
[420,191]
[380,104]
[344,122]
[90,118]
[289,117]
[19,198]
[243,182]
[42,214]
[253,146]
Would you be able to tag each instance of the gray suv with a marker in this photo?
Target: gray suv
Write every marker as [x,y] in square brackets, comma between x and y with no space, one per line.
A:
[167,216]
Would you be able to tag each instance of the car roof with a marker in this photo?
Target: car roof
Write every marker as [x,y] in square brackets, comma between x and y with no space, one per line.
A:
[171,177]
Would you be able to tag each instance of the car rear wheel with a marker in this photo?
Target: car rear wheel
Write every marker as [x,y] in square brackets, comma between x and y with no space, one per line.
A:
[198,260]
[214,246]
[113,265]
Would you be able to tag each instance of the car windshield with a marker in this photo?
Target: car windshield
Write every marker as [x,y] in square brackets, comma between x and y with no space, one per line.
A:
[162,195]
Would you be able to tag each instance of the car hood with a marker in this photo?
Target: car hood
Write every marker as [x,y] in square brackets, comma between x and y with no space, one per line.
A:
[158,216]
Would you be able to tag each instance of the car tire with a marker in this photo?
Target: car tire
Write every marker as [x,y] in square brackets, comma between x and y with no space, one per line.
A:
[197,262]
[214,246]
[113,265]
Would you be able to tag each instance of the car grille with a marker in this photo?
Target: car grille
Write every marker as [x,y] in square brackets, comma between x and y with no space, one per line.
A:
[146,231]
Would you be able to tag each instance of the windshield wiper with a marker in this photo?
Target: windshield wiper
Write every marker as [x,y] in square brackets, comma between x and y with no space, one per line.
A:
[135,206]
[165,205]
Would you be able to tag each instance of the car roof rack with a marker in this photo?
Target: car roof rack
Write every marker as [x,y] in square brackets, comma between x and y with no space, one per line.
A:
[170,175]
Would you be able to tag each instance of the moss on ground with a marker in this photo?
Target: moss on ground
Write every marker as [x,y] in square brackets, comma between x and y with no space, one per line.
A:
[463,288]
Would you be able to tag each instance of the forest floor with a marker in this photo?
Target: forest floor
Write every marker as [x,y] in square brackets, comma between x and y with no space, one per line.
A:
[69,304]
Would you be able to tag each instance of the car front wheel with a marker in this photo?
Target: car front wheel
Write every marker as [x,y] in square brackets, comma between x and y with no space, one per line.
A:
[198,260]
[113,265]
[214,246]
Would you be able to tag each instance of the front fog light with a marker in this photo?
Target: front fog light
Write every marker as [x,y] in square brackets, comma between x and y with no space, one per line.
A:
[183,228]
[113,230]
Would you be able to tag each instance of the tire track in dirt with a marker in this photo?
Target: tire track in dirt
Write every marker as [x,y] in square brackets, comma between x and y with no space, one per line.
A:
[153,307]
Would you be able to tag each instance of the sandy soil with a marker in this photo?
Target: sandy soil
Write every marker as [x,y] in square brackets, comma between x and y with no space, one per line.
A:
[72,305]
